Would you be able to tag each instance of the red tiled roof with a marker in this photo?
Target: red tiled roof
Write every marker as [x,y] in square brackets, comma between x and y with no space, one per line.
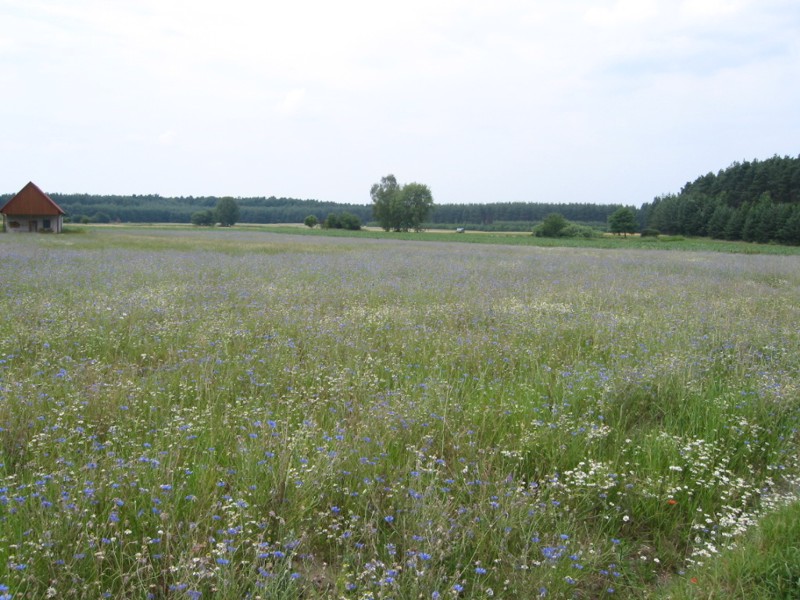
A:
[30,201]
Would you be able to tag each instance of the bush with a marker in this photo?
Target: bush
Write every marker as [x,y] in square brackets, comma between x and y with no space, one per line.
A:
[204,218]
[573,230]
[344,220]
[650,232]
[311,221]
[556,226]
[551,226]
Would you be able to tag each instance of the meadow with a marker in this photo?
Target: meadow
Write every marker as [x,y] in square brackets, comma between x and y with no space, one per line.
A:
[241,414]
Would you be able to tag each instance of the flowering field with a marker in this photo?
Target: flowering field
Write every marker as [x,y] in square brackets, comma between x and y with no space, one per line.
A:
[228,414]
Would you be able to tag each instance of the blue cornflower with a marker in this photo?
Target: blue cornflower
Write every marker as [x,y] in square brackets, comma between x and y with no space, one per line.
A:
[552,553]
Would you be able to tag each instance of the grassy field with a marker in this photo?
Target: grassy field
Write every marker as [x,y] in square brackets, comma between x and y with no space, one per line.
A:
[241,414]
[608,241]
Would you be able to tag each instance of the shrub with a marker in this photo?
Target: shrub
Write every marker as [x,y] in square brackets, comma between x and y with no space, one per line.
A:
[204,218]
[573,230]
[650,232]
[556,226]
[551,226]
[344,220]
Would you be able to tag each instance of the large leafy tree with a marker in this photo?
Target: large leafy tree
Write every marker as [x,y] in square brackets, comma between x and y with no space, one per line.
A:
[227,211]
[384,201]
[622,220]
[400,208]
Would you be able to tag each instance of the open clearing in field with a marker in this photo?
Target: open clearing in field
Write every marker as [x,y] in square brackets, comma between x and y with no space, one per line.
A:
[232,413]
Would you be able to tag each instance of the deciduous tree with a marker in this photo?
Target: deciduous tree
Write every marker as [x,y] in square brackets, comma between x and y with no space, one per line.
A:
[622,220]
[400,208]
[227,211]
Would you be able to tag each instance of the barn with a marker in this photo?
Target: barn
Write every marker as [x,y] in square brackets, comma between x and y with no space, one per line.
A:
[32,210]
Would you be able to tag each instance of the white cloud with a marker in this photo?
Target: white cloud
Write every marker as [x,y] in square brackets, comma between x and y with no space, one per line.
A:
[167,138]
[520,99]
[711,8]
[622,12]
[292,102]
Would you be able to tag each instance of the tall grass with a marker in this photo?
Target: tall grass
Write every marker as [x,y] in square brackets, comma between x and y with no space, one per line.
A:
[241,414]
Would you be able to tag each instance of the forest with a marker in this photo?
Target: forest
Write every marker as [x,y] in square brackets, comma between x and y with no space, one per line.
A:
[752,201]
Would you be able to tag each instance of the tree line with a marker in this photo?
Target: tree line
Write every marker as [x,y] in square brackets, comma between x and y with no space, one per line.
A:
[153,208]
[753,201]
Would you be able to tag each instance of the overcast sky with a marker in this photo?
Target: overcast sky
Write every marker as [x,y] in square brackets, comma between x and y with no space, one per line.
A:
[605,101]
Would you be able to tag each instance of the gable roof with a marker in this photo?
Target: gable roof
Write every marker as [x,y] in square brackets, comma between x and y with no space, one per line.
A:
[30,200]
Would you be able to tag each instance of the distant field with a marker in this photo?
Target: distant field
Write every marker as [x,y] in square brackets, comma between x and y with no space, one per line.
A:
[236,413]
[522,238]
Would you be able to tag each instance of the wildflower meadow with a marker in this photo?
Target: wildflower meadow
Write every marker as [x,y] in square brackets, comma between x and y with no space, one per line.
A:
[239,414]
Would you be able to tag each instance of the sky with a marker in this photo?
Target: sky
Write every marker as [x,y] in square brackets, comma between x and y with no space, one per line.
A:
[601,101]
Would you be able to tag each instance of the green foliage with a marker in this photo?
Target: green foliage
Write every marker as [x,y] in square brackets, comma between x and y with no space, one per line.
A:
[750,201]
[551,227]
[400,208]
[384,203]
[311,221]
[350,221]
[556,226]
[204,218]
[416,202]
[623,220]
[343,220]
[573,230]
[227,211]
[517,216]
[649,232]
